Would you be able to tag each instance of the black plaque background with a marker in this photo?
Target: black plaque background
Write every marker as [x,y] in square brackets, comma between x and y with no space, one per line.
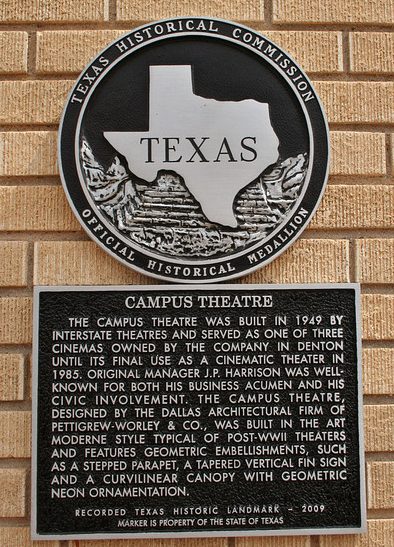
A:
[55,516]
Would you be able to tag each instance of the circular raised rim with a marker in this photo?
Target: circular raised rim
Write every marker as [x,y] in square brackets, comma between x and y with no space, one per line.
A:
[192,263]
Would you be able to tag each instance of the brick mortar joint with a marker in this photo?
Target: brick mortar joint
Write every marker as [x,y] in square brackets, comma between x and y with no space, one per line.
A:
[22,25]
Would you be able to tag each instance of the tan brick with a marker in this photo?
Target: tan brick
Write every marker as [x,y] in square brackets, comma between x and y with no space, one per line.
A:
[371,51]
[20,537]
[33,102]
[80,263]
[378,371]
[189,542]
[13,47]
[375,260]
[380,485]
[307,261]
[13,487]
[46,209]
[16,11]
[379,429]
[378,316]
[135,10]
[380,533]
[15,320]
[68,51]
[315,51]
[300,541]
[13,263]
[15,434]
[28,154]
[355,206]
[358,153]
[11,377]
[341,11]
[357,102]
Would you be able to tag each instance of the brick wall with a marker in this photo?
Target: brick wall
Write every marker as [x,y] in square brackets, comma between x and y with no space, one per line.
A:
[347,48]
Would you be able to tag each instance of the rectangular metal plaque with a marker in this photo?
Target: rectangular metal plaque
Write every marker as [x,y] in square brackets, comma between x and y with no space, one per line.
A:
[209,411]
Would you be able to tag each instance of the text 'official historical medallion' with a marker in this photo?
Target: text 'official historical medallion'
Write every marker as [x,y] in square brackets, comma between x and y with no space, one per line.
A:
[193,150]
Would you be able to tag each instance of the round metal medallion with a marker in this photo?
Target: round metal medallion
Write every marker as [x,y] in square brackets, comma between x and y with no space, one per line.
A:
[193,150]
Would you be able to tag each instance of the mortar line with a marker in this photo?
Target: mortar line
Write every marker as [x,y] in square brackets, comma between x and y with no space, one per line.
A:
[253,23]
[357,127]
[346,52]
[45,180]
[268,12]
[314,75]
[28,493]
[323,233]
[26,378]
[16,406]
[381,457]
[376,400]
[14,522]
[354,258]
[389,159]
[334,180]
[14,463]
[112,11]
[31,52]
[380,513]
